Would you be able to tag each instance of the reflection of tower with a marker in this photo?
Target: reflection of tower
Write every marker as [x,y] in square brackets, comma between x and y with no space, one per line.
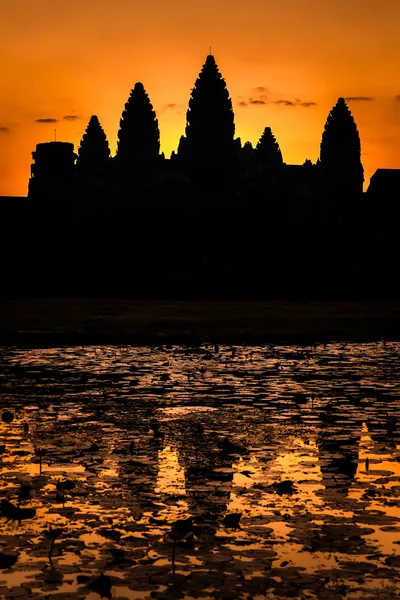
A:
[338,443]
[208,473]
[385,430]
[170,477]
[138,473]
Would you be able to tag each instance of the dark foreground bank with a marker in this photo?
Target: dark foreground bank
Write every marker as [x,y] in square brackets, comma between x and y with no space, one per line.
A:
[58,321]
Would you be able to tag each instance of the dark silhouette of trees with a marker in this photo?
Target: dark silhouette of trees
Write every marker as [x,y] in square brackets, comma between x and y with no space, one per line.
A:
[210,124]
[341,151]
[267,150]
[139,135]
[94,152]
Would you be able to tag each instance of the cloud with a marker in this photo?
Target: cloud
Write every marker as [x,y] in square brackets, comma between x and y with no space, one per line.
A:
[46,120]
[258,97]
[4,130]
[397,98]
[284,102]
[71,117]
[172,106]
[359,98]
[296,102]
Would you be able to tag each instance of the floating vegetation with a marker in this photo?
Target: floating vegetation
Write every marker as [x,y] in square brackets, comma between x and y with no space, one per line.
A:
[205,472]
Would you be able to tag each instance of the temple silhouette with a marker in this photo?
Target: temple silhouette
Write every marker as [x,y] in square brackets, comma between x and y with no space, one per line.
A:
[217,218]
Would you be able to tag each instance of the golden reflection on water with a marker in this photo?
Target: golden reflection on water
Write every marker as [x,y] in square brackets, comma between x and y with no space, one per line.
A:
[171,475]
[142,434]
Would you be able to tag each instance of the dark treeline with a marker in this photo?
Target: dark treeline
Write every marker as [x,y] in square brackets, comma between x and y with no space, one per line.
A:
[219,218]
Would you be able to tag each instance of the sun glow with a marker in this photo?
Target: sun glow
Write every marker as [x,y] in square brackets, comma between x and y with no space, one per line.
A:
[283,65]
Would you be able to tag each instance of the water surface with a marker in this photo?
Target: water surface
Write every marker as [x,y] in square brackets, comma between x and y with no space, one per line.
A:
[152,435]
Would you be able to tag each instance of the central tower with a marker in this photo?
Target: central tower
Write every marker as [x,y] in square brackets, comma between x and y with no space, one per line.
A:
[210,126]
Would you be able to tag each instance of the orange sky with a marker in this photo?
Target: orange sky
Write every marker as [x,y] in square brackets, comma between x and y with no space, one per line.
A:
[76,58]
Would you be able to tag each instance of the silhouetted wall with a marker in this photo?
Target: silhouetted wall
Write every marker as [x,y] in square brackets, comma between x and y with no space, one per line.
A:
[219,219]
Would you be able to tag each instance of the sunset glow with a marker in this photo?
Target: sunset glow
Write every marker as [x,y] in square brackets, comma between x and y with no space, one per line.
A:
[285,65]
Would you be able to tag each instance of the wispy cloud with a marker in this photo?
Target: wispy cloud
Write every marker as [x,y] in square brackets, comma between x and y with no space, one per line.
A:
[257,97]
[359,99]
[260,97]
[71,117]
[294,103]
[4,130]
[284,102]
[173,106]
[47,120]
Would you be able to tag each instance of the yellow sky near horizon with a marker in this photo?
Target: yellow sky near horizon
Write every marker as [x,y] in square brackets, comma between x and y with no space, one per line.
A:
[68,58]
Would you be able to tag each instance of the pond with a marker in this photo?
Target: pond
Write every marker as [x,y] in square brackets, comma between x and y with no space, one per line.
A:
[281,464]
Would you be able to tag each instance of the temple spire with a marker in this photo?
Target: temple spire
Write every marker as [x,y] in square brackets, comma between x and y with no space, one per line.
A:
[210,124]
[139,135]
[267,150]
[340,155]
[94,151]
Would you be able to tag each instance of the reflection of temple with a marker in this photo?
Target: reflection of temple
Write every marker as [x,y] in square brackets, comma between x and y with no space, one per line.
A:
[193,468]
[138,473]
[170,476]
[338,442]
[385,430]
[207,483]
[180,463]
